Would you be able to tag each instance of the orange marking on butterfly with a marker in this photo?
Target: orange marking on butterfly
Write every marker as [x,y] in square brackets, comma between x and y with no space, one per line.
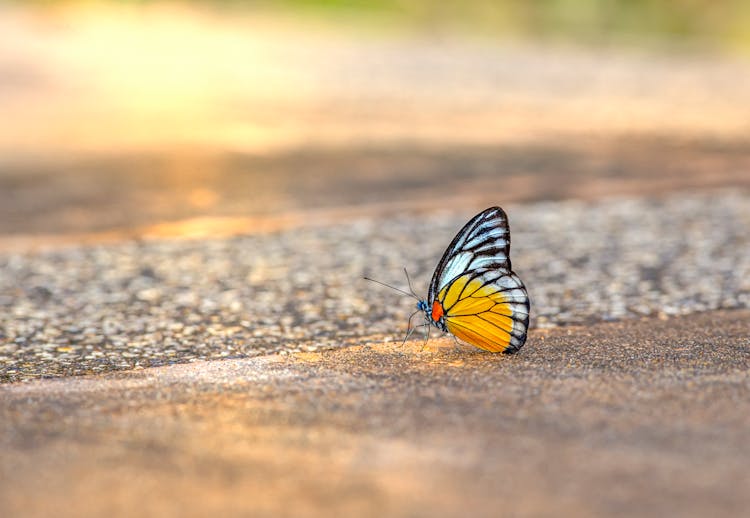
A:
[437,310]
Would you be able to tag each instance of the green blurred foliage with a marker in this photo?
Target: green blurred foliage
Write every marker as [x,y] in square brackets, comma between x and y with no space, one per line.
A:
[719,24]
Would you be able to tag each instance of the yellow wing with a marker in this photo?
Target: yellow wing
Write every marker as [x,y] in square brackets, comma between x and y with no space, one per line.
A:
[488,309]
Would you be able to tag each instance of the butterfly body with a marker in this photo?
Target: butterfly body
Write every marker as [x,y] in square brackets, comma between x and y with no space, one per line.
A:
[474,294]
[434,314]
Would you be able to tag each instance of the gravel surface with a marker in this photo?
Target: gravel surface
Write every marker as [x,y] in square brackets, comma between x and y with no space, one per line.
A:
[93,309]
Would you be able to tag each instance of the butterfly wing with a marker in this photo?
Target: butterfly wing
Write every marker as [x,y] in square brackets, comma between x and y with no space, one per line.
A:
[484,242]
[480,299]
[488,309]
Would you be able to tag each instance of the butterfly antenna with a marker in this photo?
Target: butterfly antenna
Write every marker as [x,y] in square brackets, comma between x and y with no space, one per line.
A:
[412,294]
[408,280]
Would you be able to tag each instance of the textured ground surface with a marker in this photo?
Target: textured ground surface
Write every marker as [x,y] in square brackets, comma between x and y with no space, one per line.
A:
[641,418]
[94,309]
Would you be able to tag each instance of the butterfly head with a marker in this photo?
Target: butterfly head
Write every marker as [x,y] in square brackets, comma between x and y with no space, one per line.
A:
[432,315]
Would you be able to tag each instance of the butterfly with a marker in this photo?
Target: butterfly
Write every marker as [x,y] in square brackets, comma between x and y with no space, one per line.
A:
[474,294]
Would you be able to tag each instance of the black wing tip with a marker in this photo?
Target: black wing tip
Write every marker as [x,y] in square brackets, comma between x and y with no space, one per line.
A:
[490,210]
[513,348]
[497,213]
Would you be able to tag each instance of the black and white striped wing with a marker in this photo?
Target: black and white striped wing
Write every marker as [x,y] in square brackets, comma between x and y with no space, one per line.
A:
[483,243]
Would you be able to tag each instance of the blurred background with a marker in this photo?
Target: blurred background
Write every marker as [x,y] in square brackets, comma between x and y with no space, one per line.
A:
[122,121]
[189,118]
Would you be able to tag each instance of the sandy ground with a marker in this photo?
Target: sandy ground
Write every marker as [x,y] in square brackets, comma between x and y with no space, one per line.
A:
[640,418]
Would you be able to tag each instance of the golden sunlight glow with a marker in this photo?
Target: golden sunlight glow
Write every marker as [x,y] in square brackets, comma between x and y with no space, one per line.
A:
[83,78]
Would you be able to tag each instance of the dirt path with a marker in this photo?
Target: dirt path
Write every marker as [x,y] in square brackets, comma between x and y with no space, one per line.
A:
[639,418]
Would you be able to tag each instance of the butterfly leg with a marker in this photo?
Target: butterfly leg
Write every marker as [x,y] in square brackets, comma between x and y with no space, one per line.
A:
[412,331]
[456,346]
[426,337]
[409,329]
